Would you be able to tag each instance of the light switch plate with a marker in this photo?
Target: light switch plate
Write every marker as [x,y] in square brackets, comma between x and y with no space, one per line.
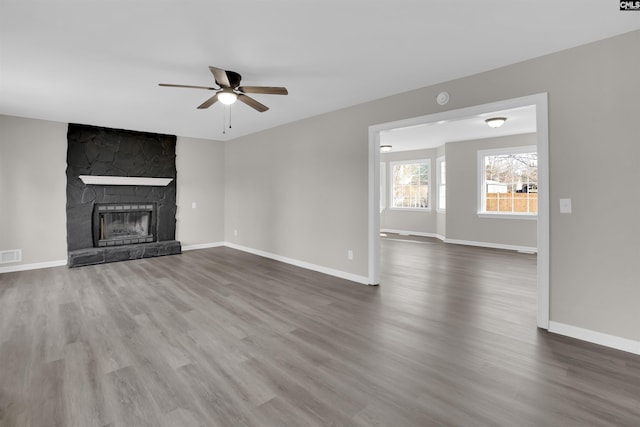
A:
[565,206]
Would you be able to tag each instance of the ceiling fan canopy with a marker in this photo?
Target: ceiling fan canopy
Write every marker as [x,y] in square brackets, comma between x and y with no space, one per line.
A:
[229,90]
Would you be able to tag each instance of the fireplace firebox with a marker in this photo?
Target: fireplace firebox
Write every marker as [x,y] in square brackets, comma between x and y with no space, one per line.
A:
[124,224]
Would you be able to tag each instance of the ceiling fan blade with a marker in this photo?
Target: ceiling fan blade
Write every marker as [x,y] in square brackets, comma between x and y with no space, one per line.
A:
[209,102]
[264,89]
[252,103]
[187,86]
[221,76]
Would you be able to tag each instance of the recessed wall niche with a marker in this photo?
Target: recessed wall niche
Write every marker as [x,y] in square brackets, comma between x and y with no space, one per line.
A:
[99,151]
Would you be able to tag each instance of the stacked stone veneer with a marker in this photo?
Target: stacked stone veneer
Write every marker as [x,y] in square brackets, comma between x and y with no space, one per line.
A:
[102,151]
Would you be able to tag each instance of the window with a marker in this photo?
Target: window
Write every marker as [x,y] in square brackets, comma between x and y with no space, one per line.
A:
[441,173]
[508,181]
[411,184]
[383,186]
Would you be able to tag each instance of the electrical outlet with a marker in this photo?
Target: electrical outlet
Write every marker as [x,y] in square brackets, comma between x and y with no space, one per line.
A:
[350,255]
[235,233]
[193,205]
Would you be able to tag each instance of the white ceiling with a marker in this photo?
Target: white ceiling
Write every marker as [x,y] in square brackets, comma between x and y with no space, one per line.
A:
[434,134]
[100,62]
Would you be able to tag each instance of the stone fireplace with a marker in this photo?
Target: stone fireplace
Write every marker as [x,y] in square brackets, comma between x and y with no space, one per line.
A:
[121,195]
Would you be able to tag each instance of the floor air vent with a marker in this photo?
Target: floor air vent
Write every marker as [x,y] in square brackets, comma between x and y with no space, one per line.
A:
[13,255]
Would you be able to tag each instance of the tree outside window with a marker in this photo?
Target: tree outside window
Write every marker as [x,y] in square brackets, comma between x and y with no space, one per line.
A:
[411,184]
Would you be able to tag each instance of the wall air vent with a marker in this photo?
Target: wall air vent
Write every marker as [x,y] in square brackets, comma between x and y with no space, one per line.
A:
[13,255]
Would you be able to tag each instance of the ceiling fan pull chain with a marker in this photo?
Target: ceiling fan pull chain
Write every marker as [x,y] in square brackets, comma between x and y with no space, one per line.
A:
[229,116]
[224,122]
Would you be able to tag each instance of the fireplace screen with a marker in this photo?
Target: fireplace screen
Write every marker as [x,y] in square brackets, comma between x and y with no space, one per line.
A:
[122,224]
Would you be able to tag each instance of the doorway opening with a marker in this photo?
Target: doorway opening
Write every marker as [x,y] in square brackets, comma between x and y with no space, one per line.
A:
[539,103]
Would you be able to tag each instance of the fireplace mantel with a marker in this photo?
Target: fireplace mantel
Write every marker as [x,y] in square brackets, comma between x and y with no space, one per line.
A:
[124,180]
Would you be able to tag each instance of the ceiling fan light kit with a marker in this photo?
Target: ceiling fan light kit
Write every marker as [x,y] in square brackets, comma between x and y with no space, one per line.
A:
[227,97]
[385,148]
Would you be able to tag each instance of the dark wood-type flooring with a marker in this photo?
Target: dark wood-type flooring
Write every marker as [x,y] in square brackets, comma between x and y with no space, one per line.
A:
[217,337]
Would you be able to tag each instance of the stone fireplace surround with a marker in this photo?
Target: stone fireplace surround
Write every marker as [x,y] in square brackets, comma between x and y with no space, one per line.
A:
[110,153]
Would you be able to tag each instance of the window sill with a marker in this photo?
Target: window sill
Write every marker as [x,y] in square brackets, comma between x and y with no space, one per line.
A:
[528,217]
[411,209]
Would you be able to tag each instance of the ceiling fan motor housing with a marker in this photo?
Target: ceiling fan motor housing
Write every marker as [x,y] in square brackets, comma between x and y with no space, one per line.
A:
[234,79]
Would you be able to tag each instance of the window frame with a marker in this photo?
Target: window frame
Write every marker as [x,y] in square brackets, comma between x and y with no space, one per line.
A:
[439,162]
[392,187]
[482,187]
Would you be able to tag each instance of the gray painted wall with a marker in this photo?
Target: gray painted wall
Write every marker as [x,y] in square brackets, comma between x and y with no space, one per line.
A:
[593,102]
[463,222]
[200,165]
[33,216]
[300,192]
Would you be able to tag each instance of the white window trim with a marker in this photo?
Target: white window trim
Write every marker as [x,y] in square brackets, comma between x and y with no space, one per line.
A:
[429,198]
[482,188]
[439,161]
[383,186]
[508,215]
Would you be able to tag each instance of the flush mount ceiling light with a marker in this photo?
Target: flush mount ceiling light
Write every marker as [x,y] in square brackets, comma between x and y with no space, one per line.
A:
[496,122]
[227,97]
[385,148]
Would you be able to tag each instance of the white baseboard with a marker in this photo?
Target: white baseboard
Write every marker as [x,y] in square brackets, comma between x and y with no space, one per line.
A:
[526,249]
[329,271]
[34,266]
[303,264]
[412,233]
[594,337]
[202,246]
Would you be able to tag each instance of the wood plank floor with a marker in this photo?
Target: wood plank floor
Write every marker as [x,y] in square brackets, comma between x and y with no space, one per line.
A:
[217,337]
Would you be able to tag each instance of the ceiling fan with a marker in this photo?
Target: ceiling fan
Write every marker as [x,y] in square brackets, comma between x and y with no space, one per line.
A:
[230,90]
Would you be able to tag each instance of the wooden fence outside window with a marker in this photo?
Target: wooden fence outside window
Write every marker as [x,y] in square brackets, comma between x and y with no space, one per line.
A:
[512,202]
